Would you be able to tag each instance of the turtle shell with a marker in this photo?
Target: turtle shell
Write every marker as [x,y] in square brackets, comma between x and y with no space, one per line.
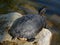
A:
[27,26]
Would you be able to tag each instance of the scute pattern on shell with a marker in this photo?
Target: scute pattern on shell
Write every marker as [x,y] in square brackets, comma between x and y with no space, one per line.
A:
[27,26]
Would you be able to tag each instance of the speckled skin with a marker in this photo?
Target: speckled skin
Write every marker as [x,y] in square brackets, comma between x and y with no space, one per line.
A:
[27,26]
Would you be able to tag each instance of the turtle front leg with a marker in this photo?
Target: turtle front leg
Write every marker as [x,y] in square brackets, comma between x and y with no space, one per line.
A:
[22,39]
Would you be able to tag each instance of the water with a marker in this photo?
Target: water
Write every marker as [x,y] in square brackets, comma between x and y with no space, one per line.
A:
[54,5]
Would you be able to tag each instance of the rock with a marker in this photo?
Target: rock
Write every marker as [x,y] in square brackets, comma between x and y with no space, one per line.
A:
[8,43]
[55,19]
[6,21]
[28,9]
[8,6]
[45,37]
[48,37]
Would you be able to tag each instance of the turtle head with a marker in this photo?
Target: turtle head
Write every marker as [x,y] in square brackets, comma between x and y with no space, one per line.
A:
[42,10]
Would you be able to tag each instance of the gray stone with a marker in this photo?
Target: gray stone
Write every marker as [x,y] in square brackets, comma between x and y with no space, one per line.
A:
[6,21]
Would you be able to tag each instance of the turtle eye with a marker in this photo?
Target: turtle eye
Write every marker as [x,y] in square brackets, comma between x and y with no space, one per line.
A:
[30,40]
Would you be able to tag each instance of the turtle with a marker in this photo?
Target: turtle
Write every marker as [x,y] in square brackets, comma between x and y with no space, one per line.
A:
[27,27]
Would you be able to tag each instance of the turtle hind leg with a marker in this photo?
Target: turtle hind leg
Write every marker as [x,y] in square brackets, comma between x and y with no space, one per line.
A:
[30,40]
